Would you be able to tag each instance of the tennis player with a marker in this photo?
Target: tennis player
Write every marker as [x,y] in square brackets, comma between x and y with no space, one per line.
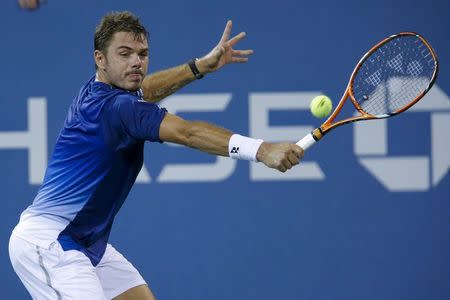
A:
[60,249]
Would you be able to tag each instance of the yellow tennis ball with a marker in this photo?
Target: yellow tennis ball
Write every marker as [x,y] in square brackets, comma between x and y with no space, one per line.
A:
[321,106]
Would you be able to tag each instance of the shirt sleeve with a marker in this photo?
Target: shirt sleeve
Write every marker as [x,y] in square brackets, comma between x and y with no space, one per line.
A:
[138,119]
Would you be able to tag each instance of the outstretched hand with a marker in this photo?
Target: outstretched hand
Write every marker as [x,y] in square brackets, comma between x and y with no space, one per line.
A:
[224,53]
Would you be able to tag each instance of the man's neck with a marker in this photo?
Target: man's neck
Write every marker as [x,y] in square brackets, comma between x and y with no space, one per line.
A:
[100,76]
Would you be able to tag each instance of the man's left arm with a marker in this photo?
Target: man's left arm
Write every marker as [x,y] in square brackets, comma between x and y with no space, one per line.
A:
[161,84]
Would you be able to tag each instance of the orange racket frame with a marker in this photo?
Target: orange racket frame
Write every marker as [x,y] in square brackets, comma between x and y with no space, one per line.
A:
[328,125]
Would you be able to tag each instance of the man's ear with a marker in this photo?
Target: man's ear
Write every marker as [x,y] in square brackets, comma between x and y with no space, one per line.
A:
[100,59]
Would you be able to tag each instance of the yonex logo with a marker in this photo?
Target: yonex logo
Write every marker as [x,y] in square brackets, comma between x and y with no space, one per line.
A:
[235,150]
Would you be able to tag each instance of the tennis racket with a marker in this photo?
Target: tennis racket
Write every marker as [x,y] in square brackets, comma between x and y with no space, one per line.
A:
[390,78]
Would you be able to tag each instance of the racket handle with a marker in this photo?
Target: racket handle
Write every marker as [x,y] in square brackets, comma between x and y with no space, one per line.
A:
[306,142]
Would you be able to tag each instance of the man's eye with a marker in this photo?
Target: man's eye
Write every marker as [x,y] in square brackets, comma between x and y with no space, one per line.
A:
[125,54]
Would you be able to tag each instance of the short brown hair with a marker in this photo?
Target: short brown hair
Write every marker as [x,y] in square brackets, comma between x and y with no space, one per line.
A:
[117,22]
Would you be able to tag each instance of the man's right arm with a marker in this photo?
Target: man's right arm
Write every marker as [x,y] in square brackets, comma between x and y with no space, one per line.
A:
[215,140]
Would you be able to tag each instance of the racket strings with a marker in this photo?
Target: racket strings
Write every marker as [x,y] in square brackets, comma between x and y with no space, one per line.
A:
[394,75]
[394,95]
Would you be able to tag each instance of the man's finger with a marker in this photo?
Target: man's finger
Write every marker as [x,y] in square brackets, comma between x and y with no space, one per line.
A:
[236,39]
[282,169]
[298,151]
[239,59]
[293,159]
[285,163]
[242,52]
[226,32]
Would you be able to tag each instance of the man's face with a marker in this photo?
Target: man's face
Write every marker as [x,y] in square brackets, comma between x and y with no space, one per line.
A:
[126,61]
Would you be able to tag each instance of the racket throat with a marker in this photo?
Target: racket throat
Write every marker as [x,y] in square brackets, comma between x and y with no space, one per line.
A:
[317,134]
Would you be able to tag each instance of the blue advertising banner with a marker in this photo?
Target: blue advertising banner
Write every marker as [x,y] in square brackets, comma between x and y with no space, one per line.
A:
[366,215]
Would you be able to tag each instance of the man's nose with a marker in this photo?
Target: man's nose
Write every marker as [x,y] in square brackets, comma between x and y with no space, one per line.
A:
[137,61]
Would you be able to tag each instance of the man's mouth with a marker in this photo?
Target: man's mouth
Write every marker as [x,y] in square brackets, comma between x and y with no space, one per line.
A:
[135,75]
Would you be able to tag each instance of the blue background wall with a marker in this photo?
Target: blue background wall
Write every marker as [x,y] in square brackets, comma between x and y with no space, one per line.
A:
[345,236]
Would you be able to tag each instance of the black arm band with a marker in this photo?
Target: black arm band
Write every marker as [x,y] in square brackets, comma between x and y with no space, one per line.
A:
[194,69]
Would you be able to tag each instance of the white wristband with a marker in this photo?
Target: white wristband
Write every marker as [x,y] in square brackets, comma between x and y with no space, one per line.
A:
[242,147]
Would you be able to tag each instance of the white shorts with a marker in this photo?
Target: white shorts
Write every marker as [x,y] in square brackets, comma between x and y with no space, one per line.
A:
[57,274]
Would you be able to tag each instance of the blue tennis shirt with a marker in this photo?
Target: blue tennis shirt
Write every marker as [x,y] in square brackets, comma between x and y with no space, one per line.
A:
[97,157]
